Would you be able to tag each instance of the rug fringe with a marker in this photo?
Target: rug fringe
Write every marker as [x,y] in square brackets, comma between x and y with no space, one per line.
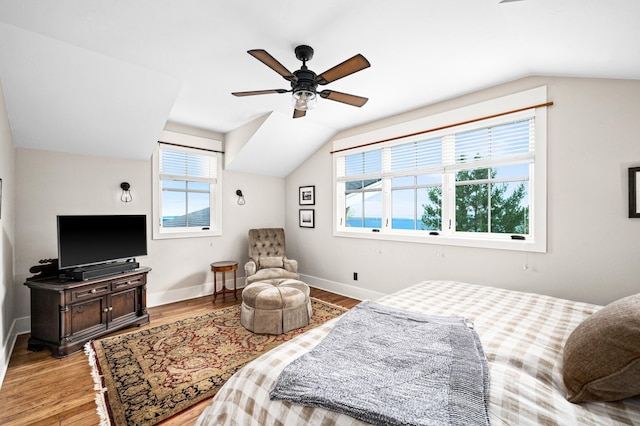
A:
[101,404]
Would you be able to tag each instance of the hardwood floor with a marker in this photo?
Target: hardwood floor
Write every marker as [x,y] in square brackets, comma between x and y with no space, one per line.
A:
[41,390]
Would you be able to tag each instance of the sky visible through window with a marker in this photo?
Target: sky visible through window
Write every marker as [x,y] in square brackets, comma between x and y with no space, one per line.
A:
[185,198]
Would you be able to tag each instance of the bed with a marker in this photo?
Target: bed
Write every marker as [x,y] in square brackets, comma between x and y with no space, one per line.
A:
[523,336]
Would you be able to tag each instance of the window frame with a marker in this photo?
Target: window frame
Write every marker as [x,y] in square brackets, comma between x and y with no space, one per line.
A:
[215,193]
[536,240]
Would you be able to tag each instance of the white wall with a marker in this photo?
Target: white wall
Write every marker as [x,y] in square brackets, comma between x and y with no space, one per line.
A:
[7,239]
[53,183]
[593,137]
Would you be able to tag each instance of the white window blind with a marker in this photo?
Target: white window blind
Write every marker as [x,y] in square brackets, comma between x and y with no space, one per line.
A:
[362,163]
[500,144]
[187,165]
[418,155]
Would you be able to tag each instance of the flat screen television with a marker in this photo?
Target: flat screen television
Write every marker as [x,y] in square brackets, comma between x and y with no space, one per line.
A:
[96,239]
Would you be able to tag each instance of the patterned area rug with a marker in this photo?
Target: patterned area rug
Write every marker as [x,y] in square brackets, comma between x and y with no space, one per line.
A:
[149,375]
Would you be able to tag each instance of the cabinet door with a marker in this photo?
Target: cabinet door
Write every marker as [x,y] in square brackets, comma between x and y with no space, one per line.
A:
[86,318]
[123,306]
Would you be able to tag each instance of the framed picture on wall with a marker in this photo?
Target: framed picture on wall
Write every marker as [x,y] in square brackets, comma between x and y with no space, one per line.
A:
[307,195]
[634,192]
[307,218]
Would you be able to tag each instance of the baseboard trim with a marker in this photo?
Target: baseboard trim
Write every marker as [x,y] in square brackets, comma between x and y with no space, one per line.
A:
[186,293]
[340,288]
[206,289]
[19,326]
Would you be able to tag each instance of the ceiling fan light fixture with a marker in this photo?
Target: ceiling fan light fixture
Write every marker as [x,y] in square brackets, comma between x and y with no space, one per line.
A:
[304,82]
[304,100]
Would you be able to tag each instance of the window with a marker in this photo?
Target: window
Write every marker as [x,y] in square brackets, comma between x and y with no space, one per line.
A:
[472,184]
[186,192]
[363,208]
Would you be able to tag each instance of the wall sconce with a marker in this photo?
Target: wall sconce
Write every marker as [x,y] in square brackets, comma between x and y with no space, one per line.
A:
[241,200]
[126,193]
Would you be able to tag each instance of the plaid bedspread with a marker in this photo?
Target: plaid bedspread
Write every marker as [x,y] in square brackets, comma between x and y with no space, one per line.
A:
[522,335]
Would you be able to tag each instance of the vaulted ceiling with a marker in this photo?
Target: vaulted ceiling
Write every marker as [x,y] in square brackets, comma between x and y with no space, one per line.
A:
[105,77]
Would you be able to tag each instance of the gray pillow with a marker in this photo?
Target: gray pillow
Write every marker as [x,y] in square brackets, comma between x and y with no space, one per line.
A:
[601,359]
[271,262]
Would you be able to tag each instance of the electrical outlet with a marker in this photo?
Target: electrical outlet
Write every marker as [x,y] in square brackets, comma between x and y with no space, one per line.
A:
[355,276]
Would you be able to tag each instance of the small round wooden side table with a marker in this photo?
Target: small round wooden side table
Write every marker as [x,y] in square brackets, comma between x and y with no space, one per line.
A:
[224,267]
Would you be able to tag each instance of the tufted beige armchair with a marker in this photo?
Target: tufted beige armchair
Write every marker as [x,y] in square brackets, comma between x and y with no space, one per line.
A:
[268,260]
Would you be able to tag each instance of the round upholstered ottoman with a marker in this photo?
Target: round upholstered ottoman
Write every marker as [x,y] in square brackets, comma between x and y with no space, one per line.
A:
[275,306]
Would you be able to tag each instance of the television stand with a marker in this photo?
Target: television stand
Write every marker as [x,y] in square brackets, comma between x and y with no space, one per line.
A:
[67,314]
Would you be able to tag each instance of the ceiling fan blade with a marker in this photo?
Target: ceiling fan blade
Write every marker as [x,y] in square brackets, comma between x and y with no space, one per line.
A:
[297,113]
[260,92]
[272,63]
[348,67]
[344,98]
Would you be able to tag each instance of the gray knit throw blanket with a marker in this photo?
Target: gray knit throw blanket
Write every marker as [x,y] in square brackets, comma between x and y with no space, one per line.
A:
[388,366]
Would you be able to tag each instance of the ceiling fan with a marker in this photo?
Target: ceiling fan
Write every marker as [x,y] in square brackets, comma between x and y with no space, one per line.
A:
[304,82]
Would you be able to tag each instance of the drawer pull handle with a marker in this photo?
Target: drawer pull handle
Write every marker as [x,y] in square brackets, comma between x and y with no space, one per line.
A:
[93,290]
[105,310]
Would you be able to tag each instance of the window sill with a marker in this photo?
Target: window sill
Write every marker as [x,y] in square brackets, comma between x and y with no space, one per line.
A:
[165,235]
[494,242]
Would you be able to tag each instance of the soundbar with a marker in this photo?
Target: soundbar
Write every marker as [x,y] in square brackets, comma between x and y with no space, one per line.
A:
[98,271]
